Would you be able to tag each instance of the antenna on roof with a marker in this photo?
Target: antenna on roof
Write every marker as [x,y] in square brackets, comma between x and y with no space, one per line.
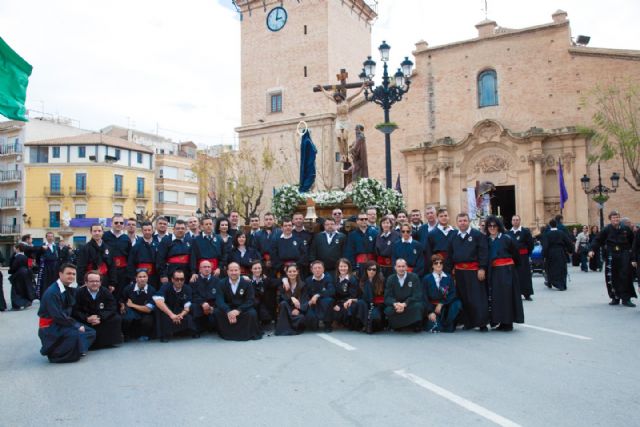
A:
[486,10]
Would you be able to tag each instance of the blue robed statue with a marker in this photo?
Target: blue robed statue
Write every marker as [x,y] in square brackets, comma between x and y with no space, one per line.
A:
[308,153]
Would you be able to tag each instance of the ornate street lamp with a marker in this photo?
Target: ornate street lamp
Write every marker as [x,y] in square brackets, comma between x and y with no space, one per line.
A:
[600,193]
[386,94]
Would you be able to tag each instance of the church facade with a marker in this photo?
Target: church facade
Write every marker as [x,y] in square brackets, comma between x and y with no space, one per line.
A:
[502,107]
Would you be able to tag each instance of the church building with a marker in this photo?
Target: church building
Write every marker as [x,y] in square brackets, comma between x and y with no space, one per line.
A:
[503,107]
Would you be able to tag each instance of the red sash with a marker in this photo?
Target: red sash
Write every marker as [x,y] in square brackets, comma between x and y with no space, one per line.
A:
[120,261]
[474,265]
[45,322]
[383,261]
[363,258]
[179,259]
[102,269]
[147,266]
[434,301]
[213,261]
[523,251]
[501,262]
[29,262]
[410,269]
[378,300]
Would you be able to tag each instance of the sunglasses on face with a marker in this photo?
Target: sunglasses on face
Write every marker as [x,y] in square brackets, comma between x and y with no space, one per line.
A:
[437,262]
[372,269]
[118,222]
[406,231]
[362,219]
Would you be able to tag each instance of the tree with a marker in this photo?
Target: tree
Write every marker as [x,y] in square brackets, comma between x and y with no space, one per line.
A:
[616,128]
[235,180]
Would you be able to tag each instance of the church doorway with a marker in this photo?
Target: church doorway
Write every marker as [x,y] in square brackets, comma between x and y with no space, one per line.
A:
[503,203]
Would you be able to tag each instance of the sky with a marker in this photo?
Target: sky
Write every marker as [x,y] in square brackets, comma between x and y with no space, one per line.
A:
[174,67]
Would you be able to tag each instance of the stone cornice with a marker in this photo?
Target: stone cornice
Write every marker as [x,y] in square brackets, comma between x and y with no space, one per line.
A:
[254,128]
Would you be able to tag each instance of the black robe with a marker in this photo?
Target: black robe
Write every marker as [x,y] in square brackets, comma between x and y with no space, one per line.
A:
[346,289]
[176,302]
[370,309]
[109,330]
[328,253]
[321,310]
[555,247]
[616,246]
[265,298]
[94,257]
[21,279]
[205,289]
[246,327]
[411,294]
[504,291]
[524,243]
[143,255]
[49,261]
[136,323]
[384,252]
[60,335]
[289,323]
[119,248]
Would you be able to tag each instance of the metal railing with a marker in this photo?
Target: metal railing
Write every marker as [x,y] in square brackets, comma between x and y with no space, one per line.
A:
[10,228]
[12,175]
[10,149]
[79,192]
[121,194]
[10,202]
[53,192]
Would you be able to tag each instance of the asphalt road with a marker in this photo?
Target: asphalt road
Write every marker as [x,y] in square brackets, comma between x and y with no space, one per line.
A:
[580,369]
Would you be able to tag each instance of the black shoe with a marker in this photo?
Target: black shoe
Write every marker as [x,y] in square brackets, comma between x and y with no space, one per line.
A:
[483,329]
[505,327]
[547,284]
[614,301]
[328,328]
[528,298]
[165,340]
[628,303]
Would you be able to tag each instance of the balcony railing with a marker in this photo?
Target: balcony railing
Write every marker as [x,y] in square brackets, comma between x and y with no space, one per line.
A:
[79,192]
[9,229]
[53,192]
[120,194]
[143,195]
[9,202]
[9,176]
[10,149]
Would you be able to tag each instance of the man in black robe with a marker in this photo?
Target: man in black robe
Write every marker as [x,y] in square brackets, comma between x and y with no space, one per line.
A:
[320,296]
[174,253]
[328,246]
[236,317]
[469,260]
[403,299]
[438,239]
[21,279]
[95,255]
[524,243]
[49,262]
[143,256]
[616,240]
[63,338]
[173,302]
[96,307]
[119,245]
[136,307]
[204,288]
[287,249]
[556,244]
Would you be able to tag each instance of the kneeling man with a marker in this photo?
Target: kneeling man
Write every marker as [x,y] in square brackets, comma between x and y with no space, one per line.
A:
[173,302]
[403,298]
[236,317]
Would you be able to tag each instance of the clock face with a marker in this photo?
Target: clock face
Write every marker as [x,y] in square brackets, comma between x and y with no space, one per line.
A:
[276,18]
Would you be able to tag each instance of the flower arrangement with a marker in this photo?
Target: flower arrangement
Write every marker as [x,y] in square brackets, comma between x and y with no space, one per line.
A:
[285,199]
[367,192]
[391,201]
[327,198]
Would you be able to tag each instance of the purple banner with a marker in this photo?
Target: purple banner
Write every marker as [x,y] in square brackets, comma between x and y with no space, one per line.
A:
[86,222]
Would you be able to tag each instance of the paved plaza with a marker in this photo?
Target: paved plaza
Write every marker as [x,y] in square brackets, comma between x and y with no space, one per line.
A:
[574,363]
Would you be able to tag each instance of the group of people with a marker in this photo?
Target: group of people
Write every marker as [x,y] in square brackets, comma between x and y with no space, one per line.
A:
[398,273]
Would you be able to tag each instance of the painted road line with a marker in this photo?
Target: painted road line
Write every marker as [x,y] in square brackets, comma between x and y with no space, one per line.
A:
[336,341]
[553,331]
[460,401]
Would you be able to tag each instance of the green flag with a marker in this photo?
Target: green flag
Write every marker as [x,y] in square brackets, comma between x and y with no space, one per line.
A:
[14,78]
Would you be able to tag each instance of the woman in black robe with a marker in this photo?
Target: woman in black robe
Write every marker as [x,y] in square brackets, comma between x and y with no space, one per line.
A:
[555,247]
[21,279]
[384,244]
[222,230]
[292,303]
[348,293]
[370,308]
[242,254]
[505,301]
[265,293]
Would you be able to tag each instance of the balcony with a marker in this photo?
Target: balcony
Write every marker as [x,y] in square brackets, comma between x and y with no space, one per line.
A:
[120,194]
[10,149]
[144,195]
[79,193]
[10,176]
[53,193]
[8,229]
[10,202]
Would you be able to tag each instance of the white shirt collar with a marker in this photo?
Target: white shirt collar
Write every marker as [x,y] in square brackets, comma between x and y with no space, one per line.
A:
[553,229]
[408,241]
[173,237]
[234,284]
[321,277]
[282,236]
[61,286]
[515,230]
[401,279]
[447,228]
[137,289]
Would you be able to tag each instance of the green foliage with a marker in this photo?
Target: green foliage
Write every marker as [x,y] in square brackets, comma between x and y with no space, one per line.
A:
[616,127]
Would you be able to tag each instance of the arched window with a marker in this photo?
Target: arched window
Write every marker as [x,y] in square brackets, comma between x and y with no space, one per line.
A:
[487,88]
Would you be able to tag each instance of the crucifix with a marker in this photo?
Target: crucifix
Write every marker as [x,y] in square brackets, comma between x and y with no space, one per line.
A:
[338,94]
